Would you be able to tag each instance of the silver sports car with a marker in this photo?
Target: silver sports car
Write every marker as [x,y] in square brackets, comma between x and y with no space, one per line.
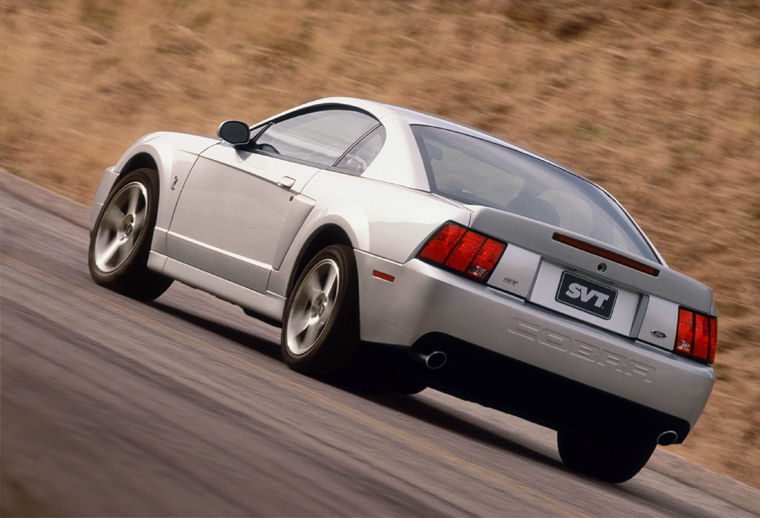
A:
[449,257]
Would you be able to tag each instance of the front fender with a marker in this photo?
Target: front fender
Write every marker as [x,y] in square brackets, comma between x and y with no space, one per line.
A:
[174,155]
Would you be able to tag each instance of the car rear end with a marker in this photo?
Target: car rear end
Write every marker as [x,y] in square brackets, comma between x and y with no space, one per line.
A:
[550,303]
[547,334]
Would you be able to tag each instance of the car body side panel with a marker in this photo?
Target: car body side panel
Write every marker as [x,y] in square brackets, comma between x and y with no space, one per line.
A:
[265,304]
[390,220]
[174,155]
[300,207]
[399,161]
[232,218]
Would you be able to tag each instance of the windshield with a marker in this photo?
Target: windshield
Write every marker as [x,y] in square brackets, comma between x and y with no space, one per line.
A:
[476,171]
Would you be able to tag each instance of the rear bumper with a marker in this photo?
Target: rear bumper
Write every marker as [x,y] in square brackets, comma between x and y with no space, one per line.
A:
[477,374]
[425,301]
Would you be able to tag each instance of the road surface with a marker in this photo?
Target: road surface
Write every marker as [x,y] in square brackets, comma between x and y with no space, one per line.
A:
[181,407]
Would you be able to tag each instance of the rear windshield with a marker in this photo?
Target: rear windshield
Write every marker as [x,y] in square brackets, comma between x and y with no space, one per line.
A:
[475,171]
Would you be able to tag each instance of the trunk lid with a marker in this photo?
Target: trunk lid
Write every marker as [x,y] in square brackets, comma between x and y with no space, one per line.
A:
[584,285]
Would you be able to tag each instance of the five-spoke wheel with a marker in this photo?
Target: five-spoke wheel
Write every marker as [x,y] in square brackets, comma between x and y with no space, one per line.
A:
[120,239]
[320,324]
[313,304]
[122,223]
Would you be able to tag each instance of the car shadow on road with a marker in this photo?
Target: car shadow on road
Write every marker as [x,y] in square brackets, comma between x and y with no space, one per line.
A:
[460,424]
[428,412]
[243,338]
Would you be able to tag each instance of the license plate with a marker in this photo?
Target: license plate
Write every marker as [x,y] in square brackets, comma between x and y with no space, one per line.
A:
[586,295]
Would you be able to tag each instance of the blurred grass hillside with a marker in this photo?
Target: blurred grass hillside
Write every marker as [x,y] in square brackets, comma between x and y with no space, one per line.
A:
[658,101]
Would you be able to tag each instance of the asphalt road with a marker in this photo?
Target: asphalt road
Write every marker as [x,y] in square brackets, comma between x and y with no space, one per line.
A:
[181,407]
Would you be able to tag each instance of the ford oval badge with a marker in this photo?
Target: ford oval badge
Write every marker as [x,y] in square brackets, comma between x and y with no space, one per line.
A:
[659,334]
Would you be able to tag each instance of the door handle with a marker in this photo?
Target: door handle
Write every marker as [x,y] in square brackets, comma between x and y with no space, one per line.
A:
[286,181]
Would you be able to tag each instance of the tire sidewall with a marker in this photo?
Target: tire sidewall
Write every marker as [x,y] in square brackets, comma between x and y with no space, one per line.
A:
[138,257]
[612,457]
[336,342]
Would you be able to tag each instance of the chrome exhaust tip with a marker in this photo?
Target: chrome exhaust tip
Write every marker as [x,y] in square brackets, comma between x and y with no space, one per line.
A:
[666,438]
[434,360]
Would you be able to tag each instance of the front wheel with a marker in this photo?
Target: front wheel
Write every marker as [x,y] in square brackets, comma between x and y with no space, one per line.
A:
[120,240]
[320,328]
[613,456]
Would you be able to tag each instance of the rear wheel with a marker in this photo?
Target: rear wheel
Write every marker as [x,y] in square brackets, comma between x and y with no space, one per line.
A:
[406,383]
[320,327]
[613,457]
[120,240]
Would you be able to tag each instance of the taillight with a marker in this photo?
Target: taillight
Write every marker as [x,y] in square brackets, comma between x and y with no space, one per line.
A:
[463,250]
[440,245]
[697,335]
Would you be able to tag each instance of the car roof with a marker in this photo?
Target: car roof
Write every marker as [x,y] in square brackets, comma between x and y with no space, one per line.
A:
[400,162]
[412,117]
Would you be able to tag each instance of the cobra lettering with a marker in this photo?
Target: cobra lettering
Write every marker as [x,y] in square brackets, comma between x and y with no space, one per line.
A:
[582,350]
[579,291]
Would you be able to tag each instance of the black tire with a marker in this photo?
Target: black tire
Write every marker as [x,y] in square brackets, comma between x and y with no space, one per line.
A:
[612,457]
[406,383]
[120,240]
[320,327]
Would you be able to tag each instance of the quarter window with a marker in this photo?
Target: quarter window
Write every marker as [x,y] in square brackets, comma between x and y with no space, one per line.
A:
[319,137]
[362,154]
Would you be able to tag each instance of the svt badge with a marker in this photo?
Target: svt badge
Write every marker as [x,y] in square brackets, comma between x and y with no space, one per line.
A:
[586,295]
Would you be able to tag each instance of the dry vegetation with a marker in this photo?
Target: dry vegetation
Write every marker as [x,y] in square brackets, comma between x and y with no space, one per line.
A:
[658,101]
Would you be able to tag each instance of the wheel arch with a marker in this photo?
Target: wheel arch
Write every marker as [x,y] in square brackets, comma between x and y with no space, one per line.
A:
[149,152]
[171,155]
[145,159]
[142,160]
[147,155]
[139,161]
[324,236]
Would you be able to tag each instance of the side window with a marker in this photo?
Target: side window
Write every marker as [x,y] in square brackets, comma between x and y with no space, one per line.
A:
[363,153]
[320,137]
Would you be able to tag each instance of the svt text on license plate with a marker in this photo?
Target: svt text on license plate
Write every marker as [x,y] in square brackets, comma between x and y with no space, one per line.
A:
[586,295]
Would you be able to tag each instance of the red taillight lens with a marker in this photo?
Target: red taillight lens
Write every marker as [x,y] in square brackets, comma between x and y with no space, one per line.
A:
[713,339]
[697,335]
[685,337]
[440,245]
[486,260]
[701,337]
[464,251]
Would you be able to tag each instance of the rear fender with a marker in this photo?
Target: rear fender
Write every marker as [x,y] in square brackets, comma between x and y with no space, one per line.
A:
[378,217]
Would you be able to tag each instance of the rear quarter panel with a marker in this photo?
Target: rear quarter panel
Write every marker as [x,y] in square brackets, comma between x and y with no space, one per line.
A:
[384,219]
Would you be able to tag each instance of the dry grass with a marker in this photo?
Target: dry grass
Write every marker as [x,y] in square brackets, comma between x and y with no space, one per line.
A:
[658,101]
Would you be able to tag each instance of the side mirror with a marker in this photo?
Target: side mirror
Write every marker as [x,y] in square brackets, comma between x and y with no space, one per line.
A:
[234,132]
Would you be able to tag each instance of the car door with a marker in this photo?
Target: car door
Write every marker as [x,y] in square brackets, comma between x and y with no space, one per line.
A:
[240,208]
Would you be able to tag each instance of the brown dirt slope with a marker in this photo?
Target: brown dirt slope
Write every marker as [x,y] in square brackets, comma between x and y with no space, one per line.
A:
[659,101]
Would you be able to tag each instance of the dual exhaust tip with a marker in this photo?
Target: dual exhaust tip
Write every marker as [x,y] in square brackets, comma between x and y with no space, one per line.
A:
[437,359]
